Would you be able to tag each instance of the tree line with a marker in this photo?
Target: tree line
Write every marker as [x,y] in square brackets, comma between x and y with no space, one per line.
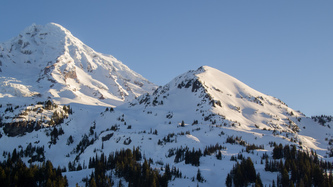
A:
[299,168]
[130,165]
[14,172]
[295,167]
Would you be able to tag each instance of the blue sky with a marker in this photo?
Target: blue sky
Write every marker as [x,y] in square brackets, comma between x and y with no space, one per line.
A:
[282,48]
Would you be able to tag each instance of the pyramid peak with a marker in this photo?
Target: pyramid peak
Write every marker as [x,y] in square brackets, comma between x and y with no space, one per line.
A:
[51,27]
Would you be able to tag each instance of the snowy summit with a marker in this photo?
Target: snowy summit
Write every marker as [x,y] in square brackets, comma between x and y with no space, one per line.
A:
[48,61]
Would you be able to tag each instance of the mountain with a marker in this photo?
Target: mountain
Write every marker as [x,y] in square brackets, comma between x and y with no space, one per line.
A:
[199,129]
[49,62]
[213,96]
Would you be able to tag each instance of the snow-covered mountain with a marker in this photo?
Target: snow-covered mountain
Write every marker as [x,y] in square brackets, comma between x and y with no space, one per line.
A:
[198,109]
[48,61]
[210,95]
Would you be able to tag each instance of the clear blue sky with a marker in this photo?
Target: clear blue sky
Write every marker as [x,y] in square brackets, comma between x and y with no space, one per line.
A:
[282,48]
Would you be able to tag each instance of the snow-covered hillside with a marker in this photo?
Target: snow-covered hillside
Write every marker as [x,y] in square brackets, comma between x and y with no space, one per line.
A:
[200,110]
[48,61]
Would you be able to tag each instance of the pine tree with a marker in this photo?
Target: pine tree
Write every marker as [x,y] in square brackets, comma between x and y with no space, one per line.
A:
[250,171]
[2,176]
[168,172]
[219,155]
[228,181]
[318,177]
[284,177]
[92,183]
[199,176]
[258,181]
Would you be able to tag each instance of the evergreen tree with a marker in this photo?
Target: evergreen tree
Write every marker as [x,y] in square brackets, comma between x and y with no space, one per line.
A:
[243,173]
[182,124]
[249,170]
[284,177]
[167,172]
[258,181]
[92,183]
[199,176]
[228,181]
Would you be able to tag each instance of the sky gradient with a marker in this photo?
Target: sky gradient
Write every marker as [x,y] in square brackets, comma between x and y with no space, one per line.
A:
[281,48]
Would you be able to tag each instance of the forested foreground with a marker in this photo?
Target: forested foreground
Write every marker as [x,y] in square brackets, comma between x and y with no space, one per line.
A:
[128,165]
[295,168]
[14,172]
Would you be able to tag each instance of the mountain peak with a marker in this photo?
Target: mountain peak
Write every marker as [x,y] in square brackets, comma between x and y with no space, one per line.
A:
[64,67]
[56,25]
[208,92]
[51,27]
[205,68]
